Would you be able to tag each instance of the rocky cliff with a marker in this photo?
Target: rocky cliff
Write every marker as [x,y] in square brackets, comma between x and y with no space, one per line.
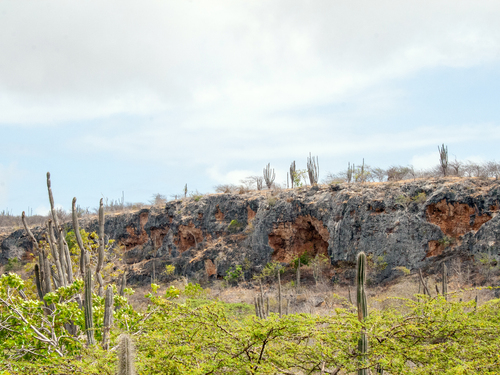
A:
[415,224]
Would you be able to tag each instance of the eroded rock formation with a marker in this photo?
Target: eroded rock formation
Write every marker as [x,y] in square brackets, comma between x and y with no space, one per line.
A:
[410,223]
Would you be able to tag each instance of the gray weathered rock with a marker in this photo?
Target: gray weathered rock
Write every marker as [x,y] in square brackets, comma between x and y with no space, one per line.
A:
[409,223]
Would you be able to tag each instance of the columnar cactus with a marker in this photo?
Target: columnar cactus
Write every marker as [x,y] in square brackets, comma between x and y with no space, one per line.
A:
[445,282]
[313,169]
[42,272]
[60,253]
[87,306]
[45,272]
[38,282]
[362,310]
[84,257]
[55,254]
[279,294]
[298,276]
[61,245]
[261,301]
[100,256]
[269,176]
[126,355]
[108,317]
[123,284]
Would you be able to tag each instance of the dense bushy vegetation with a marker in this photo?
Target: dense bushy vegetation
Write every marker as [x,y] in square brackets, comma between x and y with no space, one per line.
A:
[197,335]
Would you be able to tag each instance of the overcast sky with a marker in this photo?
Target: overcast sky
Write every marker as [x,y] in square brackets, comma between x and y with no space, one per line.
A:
[145,96]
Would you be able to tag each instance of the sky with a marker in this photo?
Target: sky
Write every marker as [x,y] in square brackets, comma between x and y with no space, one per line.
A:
[142,97]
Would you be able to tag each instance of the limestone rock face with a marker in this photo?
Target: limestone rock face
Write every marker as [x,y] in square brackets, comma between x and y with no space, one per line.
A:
[415,224]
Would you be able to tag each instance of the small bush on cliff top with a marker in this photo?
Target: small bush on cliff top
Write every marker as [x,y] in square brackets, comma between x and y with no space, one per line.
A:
[234,226]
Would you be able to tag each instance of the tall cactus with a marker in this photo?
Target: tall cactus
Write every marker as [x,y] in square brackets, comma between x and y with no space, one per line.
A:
[269,175]
[298,276]
[55,254]
[51,200]
[42,272]
[60,246]
[362,310]
[84,257]
[100,256]
[445,282]
[313,169]
[279,295]
[38,283]
[293,173]
[443,159]
[126,355]
[108,317]
[123,284]
[87,306]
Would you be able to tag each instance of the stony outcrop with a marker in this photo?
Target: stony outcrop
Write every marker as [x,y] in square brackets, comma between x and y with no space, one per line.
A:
[415,224]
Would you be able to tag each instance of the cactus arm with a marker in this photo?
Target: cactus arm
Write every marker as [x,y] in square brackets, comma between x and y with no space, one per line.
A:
[46,273]
[298,277]
[108,317]
[445,282]
[32,238]
[89,323]
[76,228]
[100,258]
[69,263]
[362,310]
[279,294]
[62,253]
[125,355]
[38,282]
[361,295]
[426,290]
[55,254]
[123,284]
[51,200]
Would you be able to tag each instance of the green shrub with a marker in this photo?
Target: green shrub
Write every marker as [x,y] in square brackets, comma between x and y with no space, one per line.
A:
[13,264]
[169,269]
[194,291]
[305,258]
[446,241]
[403,200]
[271,201]
[420,197]
[234,274]
[402,269]
[234,226]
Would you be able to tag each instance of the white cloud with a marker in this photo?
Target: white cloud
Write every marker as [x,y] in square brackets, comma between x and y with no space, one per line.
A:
[65,61]
[42,210]
[45,210]
[231,177]
[8,175]
[425,161]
